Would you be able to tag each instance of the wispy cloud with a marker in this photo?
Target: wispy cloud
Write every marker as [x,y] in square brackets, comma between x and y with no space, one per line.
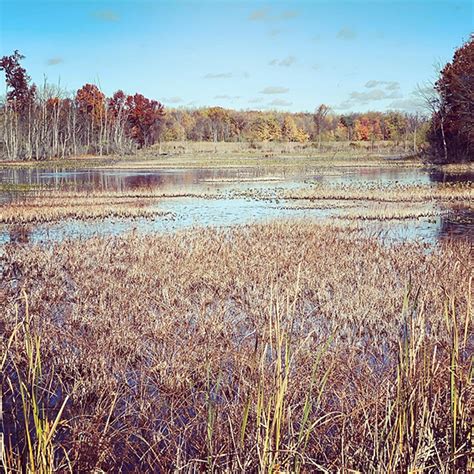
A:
[265,14]
[219,75]
[226,75]
[280,103]
[256,100]
[54,61]
[366,97]
[106,15]
[285,62]
[346,34]
[227,97]
[375,94]
[274,90]
[346,105]
[260,14]
[410,104]
[414,102]
[389,85]
[173,100]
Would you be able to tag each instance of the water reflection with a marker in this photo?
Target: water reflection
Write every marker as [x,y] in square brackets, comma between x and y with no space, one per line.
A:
[458,224]
[227,210]
[437,176]
[167,179]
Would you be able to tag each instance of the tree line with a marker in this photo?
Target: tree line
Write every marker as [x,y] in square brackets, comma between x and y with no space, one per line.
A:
[220,124]
[40,123]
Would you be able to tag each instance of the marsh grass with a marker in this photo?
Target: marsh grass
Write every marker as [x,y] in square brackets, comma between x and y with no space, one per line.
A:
[446,192]
[46,207]
[36,430]
[231,155]
[272,348]
[373,202]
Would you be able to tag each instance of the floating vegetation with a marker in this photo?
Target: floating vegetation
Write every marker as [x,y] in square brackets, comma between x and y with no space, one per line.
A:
[387,193]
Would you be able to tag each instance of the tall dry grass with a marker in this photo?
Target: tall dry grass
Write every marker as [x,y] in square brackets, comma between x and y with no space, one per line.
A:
[48,206]
[273,348]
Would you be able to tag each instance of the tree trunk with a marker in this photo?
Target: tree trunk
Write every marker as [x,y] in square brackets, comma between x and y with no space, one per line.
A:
[445,147]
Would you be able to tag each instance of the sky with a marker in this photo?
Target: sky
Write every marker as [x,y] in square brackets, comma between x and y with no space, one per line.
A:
[352,55]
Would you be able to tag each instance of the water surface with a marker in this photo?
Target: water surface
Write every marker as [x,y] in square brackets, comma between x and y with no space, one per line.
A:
[230,208]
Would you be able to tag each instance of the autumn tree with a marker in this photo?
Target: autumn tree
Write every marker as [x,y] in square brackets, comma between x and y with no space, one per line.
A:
[20,95]
[362,128]
[219,122]
[19,108]
[289,131]
[144,118]
[266,128]
[117,117]
[451,134]
[320,121]
[90,105]
[348,123]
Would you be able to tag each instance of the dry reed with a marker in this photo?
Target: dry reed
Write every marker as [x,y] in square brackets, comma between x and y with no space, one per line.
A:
[273,348]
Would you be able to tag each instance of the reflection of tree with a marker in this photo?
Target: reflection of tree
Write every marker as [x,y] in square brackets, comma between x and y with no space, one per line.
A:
[458,223]
[438,176]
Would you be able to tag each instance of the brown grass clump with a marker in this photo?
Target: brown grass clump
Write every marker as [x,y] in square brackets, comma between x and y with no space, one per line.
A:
[47,207]
[277,348]
[447,192]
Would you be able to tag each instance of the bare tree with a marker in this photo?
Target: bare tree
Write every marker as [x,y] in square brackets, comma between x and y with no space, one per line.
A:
[320,121]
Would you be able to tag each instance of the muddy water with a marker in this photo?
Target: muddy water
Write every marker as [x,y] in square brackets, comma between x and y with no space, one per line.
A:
[230,208]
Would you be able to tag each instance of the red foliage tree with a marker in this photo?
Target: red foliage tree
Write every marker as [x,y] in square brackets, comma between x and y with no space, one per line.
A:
[144,119]
[116,104]
[21,95]
[453,124]
[90,102]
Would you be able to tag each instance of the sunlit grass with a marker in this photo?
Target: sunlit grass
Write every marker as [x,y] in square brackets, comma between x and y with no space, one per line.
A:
[284,347]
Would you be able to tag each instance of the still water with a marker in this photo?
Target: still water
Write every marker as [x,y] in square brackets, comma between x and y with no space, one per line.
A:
[230,208]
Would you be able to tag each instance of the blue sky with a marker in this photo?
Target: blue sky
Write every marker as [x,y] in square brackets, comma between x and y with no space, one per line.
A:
[286,55]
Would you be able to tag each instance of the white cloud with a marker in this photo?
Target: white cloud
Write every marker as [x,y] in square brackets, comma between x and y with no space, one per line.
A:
[389,85]
[280,103]
[285,62]
[373,95]
[274,90]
